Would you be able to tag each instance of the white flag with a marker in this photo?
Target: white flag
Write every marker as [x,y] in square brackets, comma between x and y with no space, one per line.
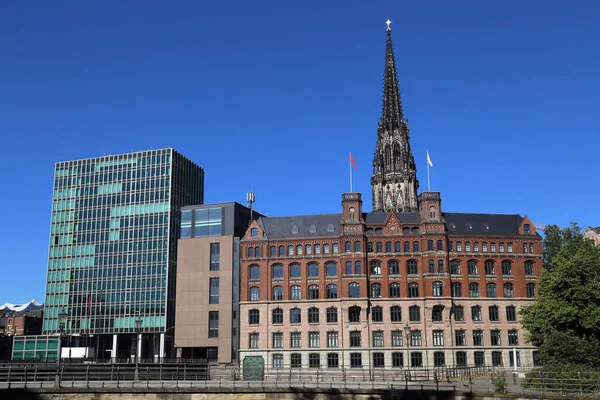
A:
[429,159]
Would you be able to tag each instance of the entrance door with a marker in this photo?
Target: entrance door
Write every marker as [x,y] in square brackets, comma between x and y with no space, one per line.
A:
[254,368]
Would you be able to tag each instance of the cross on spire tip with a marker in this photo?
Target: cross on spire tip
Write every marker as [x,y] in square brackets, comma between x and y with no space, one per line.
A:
[388,22]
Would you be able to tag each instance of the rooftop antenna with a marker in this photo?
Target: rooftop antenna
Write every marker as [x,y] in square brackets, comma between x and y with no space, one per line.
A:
[250,199]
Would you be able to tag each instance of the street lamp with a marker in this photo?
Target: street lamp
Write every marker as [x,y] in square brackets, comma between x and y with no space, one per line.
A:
[407,332]
[138,327]
[62,317]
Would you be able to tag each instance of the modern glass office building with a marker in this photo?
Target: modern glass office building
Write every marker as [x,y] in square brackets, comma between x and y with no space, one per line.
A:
[113,249]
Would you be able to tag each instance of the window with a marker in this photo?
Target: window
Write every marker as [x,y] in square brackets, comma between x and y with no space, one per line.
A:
[506,268]
[491,290]
[348,267]
[355,360]
[414,314]
[295,271]
[277,293]
[476,313]
[407,247]
[376,290]
[377,314]
[314,360]
[375,268]
[529,268]
[317,249]
[513,337]
[458,246]
[430,245]
[313,315]
[527,228]
[397,247]
[438,289]
[378,360]
[467,247]
[455,267]
[332,339]
[354,314]
[489,268]
[253,317]
[476,247]
[415,247]
[313,292]
[332,291]
[438,338]
[394,290]
[525,248]
[272,251]
[357,267]
[388,247]
[313,229]
[460,338]
[333,360]
[494,316]
[441,266]
[511,313]
[484,247]
[254,293]
[437,313]
[397,338]
[413,290]
[295,316]
[397,359]
[277,316]
[369,247]
[257,251]
[335,248]
[493,247]
[314,340]
[439,359]
[296,340]
[348,246]
[296,360]
[377,338]
[332,315]
[253,232]
[277,340]
[461,358]
[411,267]
[295,293]
[450,245]
[509,290]
[326,248]
[440,245]
[213,324]
[531,248]
[215,256]
[331,269]
[431,266]
[415,338]
[501,247]
[478,337]
[277,271]
[456,289]
[355,339]
[416,359]
[254,272]
[472,265]
[357,247]
[213,291]
[290,250]
[295,230]
[497,358]
[530,290]
[479,358]
[473,289]
[330,228]
[379,247]
[510,248]
[512,360]
[395,313]
[313,270]
[459,313]
[353,290]
[253,340]
[495,337]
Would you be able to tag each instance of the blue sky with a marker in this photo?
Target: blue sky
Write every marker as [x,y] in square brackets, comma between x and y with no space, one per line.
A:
[272,95]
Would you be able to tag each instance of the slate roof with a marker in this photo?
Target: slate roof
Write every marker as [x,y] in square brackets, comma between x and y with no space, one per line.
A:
[499,224]
[596,229]
[281,227]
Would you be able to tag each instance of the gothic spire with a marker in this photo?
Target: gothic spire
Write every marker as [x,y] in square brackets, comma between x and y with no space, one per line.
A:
[391,113]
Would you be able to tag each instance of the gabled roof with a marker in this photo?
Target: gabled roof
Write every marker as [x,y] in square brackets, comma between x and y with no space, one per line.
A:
[283,227]
[482,224]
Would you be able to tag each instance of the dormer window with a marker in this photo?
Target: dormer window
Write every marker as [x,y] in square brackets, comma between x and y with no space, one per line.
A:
[254,232]
[527,228]
[469,227]
[452,226]
[486,227]
[313,229]
[330,228]
[295,230]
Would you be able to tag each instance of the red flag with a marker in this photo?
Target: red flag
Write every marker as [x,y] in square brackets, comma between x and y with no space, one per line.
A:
[352,161]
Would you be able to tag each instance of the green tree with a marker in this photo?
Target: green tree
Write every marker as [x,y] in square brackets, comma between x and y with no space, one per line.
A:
[564,321]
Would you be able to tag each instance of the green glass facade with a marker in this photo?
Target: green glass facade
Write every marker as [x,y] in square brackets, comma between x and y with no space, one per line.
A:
[42,348]
[113,241]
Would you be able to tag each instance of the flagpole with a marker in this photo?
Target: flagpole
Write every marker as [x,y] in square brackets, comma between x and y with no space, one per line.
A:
[428,179]
[350,162]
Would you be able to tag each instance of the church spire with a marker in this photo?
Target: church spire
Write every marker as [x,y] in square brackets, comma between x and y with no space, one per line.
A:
[394,179]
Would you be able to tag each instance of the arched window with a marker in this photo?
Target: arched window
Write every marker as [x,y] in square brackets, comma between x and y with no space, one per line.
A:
[331,269]
[387,158]
[313,315]
[413,290]
[290,250]
[295,271]
[277,271]
[253,232]
[456,289]
[375,290]
[473,289]
[313,292]
[430,245]
[395,314]
[357,267]
[354,289]
[490,269]
[394,290]
[332,292]
[407,246]
[313,270]
[348,267]
[431,266]
[476,247]
[254,293]
[308,249]
[313,229]
[394,267]
[317,249]
[472,265]
[414,313]
[277,316]
[455,267]
[257,251]
[531,248]
[272,251]
[411,267]
[277,293]
[440,245]
[484,247]
[506,267]
[299,250]
[529,268]
[295,316]
[415,247]
[438,289]
[295,293]
[357,247]
[432,213]
[254,272]
[295,230]
[330,228]
[467,247]
[352,213]
[441,266]
[250,251]
[348,246]
[525,248]
[509,290]
[491,290]
[375,267]
[531,290]
[527,228]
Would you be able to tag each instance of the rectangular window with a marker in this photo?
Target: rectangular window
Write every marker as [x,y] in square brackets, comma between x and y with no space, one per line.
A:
[512,358]
[355,339]
[438,338]
[415,338]
[213,296]
[396,338]
[495,336]
[296,340]
[497,358]
[478,338]
[332,339]
[213,324]
[459,337]
[277,360]
[331,315]
[296,360]
[333,360]
[397,359]
[314,340]
[513,337]
[215,256]
[479,358]
[493,247]
[459,313]
[278,340]
[378,339]
[416,359]
[253,340]
[378,360]
[314,360]
[355,360]
[439,359]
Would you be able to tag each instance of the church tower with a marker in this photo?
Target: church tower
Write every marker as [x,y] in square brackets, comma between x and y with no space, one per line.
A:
[394,179]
